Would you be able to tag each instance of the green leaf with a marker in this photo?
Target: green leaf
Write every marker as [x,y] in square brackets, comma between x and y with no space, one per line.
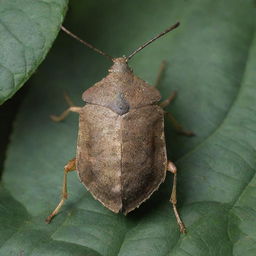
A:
[212,60]
[27,31]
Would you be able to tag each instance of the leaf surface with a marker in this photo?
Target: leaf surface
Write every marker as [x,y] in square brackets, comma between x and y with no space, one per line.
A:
[27,31]
[212,60]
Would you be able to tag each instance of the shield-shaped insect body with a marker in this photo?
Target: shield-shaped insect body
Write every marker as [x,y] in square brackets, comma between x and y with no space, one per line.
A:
[121,153]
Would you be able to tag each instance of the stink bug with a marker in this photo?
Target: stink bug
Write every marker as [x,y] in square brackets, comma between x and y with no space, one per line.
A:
[121,153]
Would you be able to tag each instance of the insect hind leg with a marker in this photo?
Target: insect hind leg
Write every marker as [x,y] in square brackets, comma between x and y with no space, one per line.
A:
[70,166]
[172,168]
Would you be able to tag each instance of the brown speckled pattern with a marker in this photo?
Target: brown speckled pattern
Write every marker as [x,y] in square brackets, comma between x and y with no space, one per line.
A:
[121,154]
[143,155]
[99,154]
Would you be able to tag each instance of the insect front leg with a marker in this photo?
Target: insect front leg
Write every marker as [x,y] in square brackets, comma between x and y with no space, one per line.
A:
[71,108]
[160,73]
[166,102]
[70,166]
[162,68]
[172,168]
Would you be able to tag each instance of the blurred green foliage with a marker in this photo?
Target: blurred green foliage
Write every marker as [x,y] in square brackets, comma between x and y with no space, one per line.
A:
[211,63]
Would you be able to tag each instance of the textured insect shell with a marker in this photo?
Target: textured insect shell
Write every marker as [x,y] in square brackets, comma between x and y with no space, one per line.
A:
[121,153]
[121,89]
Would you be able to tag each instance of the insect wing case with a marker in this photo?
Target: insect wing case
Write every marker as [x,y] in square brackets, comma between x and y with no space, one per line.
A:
[99,154]
[143,155]
[121,154]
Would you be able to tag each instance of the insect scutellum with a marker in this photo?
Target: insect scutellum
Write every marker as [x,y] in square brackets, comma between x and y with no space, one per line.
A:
[121,59]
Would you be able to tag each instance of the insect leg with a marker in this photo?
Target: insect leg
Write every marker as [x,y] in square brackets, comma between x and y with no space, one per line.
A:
[65,114]
[172,168]
[177,126]
[166,102]
[70,166]
[72,108]
[160,73]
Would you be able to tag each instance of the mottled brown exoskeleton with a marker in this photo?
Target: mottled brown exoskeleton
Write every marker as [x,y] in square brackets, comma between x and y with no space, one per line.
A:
[121,153]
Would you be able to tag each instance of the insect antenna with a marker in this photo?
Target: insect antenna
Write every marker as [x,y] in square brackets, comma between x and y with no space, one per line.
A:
[85,43]
[153,39]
